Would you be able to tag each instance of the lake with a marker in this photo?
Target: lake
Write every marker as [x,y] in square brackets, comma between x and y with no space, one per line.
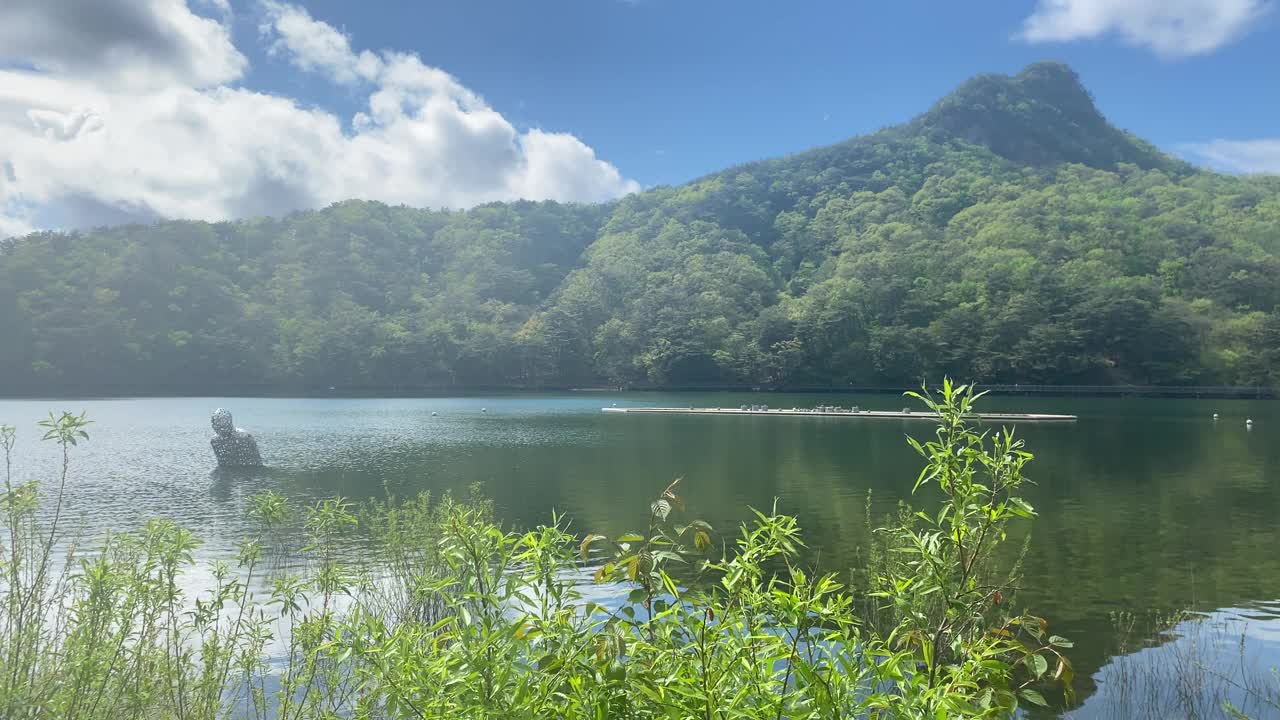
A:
[1147,506]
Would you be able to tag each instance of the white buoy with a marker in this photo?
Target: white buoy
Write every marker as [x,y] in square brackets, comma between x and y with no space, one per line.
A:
[1249,422]
[1215,416]
[433,414]
[484,410]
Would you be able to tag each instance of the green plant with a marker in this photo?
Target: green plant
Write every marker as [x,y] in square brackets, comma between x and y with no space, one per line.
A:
[429,609]
[643,559]
[33,583]
[944,585]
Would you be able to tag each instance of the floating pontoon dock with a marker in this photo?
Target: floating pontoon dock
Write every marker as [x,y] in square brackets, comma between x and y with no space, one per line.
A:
[837,412]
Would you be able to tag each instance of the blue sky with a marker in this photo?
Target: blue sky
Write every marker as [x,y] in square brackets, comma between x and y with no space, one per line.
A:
[668,90]
[118,110]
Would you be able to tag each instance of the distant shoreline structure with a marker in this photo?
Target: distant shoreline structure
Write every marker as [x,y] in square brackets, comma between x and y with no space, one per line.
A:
[838,412]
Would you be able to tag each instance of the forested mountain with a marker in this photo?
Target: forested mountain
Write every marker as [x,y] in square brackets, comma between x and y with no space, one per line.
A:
[1008,234]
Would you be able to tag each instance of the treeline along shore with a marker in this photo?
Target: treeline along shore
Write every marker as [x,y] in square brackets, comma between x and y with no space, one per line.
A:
[1009,235]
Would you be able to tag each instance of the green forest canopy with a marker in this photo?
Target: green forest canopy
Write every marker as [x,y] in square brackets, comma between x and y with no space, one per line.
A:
[1008,234]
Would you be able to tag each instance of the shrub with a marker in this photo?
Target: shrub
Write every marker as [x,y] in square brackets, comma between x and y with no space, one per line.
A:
[445,614]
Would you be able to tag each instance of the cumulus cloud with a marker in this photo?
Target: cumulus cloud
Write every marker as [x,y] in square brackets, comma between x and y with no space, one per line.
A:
[77,150]
[138,44]
[314,45]
[1172,28]
[1239,156]
[13,227]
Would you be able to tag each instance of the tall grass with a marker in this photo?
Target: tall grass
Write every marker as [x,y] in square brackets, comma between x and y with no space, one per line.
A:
[442,613]
[1182,665]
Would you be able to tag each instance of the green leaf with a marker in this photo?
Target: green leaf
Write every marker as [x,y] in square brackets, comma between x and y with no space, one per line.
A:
[1021,507]
[670,585]
[1038,665]
[1033,697]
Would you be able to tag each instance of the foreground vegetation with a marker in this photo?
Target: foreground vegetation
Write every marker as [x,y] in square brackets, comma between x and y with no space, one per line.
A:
[1183,665]
[1009,234]
[422,609]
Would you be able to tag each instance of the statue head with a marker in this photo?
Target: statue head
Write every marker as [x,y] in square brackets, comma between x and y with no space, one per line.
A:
[222,423]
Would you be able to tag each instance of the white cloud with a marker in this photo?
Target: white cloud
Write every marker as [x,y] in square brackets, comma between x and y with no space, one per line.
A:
[13,227]
[1239,156]
[315,45]
[77,149]
[1172,28]
[139,44]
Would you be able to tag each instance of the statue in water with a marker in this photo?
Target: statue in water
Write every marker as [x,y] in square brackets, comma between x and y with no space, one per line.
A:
[232,446]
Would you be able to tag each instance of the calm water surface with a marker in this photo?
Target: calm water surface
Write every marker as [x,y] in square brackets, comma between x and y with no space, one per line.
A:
[1145,505]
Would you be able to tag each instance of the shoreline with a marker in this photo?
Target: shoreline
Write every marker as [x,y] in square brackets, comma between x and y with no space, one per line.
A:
[359,392]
